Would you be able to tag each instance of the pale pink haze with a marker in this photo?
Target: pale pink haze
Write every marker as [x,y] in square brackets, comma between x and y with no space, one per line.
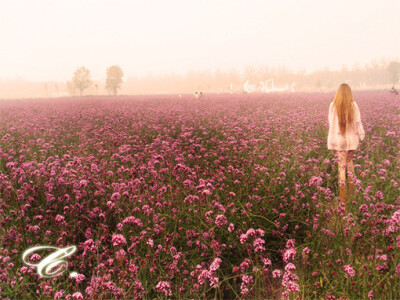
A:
[48,39]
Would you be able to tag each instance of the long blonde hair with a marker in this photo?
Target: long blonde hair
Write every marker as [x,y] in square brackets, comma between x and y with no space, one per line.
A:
[344,106]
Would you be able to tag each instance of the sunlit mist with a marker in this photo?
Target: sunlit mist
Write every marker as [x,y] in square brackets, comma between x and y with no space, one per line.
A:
[47,40]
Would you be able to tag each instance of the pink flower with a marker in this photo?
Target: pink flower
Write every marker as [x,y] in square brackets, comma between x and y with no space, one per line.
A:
[260,232]
[94,168]
[290,267]
[221,220]
[214,282]
[83,183]
[115,196]
[396,217]
[289,255]
[390,133]
[315,180]
[266,261]
[164,287]
[251,232]
[243,238]
[276,273]
[132,220]
[205,274]
[59,218]
[379,195]
[59,294]
[118,239]
[89,246]
[77,295]
[398,269]
[383,257]
[215,264]
[244,291]
[246,281]
[206,192]
[79,278]
[258,245]
[35,257]
[292,287]
[289,276]
[382,267]
[121,254]
[290,243]
[110,204]
[349,270]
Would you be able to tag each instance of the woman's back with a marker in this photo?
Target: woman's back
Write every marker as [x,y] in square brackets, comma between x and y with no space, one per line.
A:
[354,130]
[345,132]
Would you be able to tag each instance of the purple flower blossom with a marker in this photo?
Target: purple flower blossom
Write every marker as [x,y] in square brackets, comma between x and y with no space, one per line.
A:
[59,218]
[276,273]
[289,255]
[77,295]
[115,196]
[390,133]
[164,287]
[290,267]
[349,270]
[215,264]
[144,174]
[258,245]
[221,220]
[79,278]
[59,294]
[205,274]
[118,239]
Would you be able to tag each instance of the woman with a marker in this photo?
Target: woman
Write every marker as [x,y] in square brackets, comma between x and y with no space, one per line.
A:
[345,132]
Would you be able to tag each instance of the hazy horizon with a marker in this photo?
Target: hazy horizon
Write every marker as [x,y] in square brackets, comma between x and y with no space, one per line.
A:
[48,40]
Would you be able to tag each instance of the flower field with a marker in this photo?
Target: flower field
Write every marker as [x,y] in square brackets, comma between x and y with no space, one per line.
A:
[226,196]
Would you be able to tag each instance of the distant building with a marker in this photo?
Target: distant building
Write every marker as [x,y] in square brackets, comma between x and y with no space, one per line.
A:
[267,86]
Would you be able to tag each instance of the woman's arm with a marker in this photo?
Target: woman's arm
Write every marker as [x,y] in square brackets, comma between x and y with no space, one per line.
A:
[330,115]
[358,123]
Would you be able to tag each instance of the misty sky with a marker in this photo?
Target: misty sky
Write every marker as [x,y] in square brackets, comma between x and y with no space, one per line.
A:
[49,39]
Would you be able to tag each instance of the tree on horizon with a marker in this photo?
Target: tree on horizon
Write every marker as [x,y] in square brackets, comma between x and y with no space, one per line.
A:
[114,79]
[394,70]
[81,79]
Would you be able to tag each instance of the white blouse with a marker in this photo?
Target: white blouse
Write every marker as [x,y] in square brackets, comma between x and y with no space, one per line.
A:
[351,139]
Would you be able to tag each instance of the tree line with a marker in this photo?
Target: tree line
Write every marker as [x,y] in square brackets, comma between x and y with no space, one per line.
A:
[376,75]
[81,80]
